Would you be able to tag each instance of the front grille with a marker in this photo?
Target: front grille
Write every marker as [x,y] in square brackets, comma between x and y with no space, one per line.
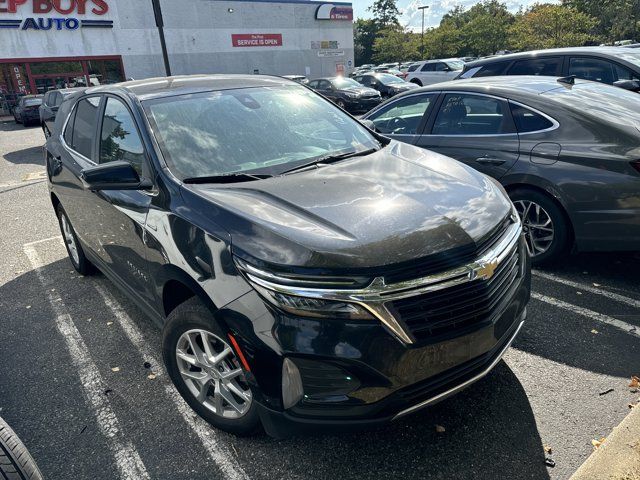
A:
[460,307]
[448,259]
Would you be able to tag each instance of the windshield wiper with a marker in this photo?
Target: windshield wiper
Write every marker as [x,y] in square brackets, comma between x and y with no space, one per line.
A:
[227,178]
[327,159]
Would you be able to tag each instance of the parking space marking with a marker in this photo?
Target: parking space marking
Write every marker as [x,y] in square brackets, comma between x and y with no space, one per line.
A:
[588,288]
[600,317]
[43,240]
[126,456]
[217,451]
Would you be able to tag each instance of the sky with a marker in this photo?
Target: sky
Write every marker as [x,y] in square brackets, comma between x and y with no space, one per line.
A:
[412,17]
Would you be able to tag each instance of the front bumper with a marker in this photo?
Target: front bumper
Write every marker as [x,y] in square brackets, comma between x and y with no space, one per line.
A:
[356,373]
[362,104]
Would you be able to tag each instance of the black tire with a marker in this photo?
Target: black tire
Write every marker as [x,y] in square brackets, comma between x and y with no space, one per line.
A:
[416,81]
[16,463]
[81,264]
[559,223]
[341,104]
[193,314]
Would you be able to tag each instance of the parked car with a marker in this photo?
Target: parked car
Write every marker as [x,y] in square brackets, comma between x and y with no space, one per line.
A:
[612,65]
[435,71]
[26,110]
[566,154]
[49,108]
[395,65]
[307,272]
[392,71]
[388,85]
[347,93]
[297,78]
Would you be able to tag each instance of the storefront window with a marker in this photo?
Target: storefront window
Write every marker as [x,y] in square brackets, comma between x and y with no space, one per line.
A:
[105,71]
[48,68]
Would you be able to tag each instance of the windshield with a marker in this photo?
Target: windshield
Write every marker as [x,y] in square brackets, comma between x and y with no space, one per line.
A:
[631,57]
[455,64]
[387,79]
[344,83]
[262,129]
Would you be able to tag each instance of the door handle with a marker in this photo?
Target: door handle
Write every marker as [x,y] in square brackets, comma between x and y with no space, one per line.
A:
[488,160]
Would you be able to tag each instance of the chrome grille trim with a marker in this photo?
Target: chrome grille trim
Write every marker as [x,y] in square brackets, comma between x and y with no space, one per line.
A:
[374,296]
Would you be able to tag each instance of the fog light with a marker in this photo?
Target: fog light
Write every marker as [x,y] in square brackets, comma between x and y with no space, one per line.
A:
[292,390]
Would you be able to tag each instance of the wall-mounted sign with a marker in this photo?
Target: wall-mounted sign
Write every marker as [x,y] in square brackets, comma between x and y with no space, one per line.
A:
[256,39]
[329,11]
[331,53]
[324,45]
[61,7]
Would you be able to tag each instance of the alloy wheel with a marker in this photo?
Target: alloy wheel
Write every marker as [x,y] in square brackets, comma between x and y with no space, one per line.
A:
[70,239]
[212,373]
[536,225]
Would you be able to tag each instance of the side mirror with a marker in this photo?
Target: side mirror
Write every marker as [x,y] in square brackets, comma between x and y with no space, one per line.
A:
[631,85]
[369,124]
[118,175]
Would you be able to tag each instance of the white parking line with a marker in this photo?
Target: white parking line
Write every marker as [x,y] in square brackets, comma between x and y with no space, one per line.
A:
[217,450]
[44,240]
[588,288]
[600,317]
[126,456]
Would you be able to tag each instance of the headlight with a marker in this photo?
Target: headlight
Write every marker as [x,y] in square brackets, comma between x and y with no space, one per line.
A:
[278,291]
[352,94]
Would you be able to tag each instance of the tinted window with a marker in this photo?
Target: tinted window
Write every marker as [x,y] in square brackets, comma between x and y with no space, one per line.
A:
[591,69]
[222,132]
[550,66]
[403,116]
[119,139]
[84,125]
[529,121]
[441,67]
[413,68]
[622,73]
[313,84]
[464,114]
[492,69]
[428,67]
[68,131]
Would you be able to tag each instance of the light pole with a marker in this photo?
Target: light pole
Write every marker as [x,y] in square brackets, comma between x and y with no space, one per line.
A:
[423,8]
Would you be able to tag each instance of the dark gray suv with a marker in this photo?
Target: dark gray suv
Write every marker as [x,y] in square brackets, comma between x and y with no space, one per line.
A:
[567,154]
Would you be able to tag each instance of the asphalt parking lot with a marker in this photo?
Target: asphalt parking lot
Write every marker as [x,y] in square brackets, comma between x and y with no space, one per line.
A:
[81,382]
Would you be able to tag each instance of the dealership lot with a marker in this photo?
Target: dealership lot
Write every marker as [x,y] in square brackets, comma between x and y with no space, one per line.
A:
[82,384]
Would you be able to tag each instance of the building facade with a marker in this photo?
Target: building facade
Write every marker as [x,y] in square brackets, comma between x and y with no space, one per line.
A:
[47,44]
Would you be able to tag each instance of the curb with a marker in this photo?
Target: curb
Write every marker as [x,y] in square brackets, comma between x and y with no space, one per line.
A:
[618,458]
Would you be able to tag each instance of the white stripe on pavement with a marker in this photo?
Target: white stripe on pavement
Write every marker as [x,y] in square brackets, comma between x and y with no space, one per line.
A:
[44,240]
[614,322]
[588,288]
[217,450]
[127,459]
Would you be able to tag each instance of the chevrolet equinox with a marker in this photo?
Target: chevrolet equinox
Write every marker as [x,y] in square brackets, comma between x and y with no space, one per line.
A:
[307,272]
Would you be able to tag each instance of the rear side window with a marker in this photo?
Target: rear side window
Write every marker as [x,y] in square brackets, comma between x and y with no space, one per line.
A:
[591,69]
[529,121]
[549,66]
[428,67]
[492,69]
[68,131]
[413,68]
[441,67]
[84,125]
[119,139]
[467,114]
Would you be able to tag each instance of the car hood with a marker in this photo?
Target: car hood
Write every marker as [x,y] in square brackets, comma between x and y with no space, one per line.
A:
[361,90]
[398,204]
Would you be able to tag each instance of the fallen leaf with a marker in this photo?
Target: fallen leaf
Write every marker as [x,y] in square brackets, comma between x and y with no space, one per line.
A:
[597,285]
[440,429]
[594,331]
[597,443]
[28,307]
[579,293]
[115,369]
[109,323]
[635,382]
[547,449]
[151,376]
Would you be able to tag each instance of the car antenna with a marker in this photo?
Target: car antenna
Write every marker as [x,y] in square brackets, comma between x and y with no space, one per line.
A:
[570,80]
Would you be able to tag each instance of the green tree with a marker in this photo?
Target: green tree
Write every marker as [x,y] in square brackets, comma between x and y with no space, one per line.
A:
[385,13]
[443,41]
[616,19]
[550,26]
[396,44]
[364,36]
[487,28]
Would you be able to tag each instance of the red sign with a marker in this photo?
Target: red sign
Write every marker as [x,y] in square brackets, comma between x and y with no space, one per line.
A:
[329,11]
[256,39]
[63,7]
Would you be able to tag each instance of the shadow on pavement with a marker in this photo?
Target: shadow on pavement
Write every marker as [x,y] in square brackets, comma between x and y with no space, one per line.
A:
[31,155]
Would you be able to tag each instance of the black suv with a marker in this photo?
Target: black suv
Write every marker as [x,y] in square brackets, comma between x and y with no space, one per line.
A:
[613,65]
[306,271]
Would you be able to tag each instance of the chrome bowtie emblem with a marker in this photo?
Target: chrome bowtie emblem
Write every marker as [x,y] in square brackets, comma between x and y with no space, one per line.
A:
[486,270]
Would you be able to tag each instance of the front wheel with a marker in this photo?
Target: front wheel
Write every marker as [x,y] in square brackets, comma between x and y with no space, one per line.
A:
[205,370]
[545,227]
[416,81]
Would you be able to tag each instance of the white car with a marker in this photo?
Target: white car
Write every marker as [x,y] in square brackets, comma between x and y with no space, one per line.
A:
[434,71]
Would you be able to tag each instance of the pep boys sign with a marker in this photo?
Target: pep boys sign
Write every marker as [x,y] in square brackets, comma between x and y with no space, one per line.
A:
[63,7]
